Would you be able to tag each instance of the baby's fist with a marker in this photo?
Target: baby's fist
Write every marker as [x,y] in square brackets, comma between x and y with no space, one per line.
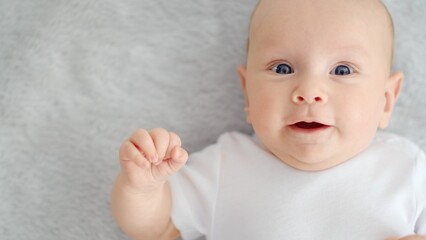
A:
[148,158]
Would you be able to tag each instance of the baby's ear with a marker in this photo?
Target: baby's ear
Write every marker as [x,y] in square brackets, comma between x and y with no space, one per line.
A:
[393,88]
[242,70]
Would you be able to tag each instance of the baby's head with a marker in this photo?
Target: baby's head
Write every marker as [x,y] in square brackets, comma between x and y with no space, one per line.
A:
[318,79]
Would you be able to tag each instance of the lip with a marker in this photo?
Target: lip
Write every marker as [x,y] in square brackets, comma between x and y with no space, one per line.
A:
[308,126]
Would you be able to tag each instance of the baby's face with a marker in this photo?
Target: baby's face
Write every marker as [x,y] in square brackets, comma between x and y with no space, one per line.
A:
[317,81]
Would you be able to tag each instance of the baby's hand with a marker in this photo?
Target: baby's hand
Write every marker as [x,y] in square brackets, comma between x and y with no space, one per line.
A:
[148,158]
[411,237]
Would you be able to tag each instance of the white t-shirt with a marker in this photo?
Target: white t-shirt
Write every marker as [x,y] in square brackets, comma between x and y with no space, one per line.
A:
[235,189]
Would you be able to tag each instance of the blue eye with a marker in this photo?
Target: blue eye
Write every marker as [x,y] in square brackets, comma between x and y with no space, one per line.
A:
[342,70]
[282,69]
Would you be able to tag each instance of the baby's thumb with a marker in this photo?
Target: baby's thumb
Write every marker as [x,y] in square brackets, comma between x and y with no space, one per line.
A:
[179,156]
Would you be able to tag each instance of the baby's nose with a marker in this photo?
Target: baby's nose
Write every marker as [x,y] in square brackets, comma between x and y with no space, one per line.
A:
[309,100]
[309,96]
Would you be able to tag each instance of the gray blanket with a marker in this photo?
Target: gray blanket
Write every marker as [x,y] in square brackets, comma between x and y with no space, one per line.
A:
[77,77]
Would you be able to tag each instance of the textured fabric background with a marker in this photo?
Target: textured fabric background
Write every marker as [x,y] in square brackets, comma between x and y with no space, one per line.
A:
[77,77]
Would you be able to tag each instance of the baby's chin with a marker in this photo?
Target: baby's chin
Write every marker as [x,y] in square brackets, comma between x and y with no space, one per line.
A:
[319,157]
[313,167]
[315,163]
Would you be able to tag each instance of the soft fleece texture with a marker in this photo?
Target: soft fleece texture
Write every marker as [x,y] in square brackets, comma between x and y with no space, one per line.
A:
[77,77]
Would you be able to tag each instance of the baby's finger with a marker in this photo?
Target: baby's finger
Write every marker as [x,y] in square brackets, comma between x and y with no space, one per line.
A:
[178,158]
[174,141]
[129,153]
[160,137]
[143,141]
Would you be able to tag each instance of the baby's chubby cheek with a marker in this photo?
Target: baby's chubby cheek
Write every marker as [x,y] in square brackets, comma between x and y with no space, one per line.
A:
[359,122]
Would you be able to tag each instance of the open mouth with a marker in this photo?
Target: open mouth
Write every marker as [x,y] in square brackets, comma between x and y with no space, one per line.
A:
[309,125]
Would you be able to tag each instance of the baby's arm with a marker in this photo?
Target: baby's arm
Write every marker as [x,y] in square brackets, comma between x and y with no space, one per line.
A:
[141,200]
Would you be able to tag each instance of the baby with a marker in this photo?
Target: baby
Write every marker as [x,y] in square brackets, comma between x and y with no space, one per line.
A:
[317,85]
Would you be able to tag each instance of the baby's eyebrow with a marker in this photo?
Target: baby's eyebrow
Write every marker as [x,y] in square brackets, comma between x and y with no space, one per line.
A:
[355,49]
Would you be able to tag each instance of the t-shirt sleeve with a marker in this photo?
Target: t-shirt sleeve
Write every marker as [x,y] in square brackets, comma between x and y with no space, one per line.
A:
[420,181]
[194,190]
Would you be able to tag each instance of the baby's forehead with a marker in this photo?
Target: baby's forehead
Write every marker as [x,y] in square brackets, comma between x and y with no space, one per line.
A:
[370,11]
[346,22]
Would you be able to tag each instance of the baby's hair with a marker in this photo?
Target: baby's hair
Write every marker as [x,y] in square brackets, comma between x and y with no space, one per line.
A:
[391,26]
[251,20]
[388,16]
